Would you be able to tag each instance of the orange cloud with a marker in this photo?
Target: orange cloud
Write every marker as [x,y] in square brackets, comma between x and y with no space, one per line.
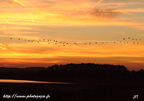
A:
[38,19]
[3,46]
[64,13]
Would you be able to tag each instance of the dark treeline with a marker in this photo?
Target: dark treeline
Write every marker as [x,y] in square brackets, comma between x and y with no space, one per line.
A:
[72,71]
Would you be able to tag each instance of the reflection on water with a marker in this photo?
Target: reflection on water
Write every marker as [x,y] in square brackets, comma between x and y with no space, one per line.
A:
[28,81]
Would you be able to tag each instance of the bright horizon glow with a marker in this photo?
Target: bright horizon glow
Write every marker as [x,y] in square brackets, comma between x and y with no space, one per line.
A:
[24,24]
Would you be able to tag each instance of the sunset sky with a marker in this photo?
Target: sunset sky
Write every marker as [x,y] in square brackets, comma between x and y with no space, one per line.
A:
[47,32]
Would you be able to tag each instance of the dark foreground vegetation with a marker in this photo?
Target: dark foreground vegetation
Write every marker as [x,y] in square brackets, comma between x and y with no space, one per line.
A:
[90,82]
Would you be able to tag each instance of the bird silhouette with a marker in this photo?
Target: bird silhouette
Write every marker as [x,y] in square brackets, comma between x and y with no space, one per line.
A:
[127,40]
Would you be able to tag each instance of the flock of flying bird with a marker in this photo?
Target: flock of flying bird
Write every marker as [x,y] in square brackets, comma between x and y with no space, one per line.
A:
[58,43]
[61,43]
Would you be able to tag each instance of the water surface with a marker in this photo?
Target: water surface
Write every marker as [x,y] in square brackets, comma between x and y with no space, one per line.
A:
[29,81]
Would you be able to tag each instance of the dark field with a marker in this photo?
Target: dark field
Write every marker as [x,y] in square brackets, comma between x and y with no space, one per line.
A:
[91,91]
[86,85]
